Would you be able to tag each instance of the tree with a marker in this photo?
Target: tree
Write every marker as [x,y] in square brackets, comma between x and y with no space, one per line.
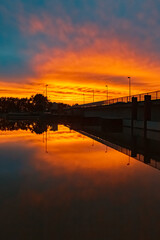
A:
[39,103]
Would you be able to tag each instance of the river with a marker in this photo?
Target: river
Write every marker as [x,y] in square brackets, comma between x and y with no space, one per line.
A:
[65,184]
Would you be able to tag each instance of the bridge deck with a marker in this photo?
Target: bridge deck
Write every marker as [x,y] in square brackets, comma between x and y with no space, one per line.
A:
[140,98]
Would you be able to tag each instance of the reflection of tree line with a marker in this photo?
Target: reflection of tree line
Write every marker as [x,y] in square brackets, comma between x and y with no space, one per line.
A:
[37,127]
[35,103]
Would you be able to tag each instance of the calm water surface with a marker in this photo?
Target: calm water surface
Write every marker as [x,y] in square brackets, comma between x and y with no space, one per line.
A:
[64,185]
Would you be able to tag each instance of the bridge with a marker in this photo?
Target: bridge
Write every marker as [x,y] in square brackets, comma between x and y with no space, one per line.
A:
[137,111]
[140,98]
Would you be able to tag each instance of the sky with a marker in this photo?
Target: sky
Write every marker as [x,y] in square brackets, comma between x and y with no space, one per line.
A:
[77,46]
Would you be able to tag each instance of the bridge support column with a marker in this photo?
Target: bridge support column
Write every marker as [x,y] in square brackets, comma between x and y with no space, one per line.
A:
[134,111]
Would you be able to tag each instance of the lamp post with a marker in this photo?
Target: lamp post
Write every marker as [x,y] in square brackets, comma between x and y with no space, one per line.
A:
[129,78]
[93,95]
[107,93]
[83,98]
[46,90]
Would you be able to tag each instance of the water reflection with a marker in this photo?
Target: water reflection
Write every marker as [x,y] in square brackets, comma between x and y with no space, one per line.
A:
[131,143]
[78,190]
[35,126]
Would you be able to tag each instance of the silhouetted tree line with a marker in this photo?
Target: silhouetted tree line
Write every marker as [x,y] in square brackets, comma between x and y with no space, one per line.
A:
[36,103]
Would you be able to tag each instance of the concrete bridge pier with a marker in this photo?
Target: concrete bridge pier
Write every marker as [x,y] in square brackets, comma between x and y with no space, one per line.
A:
[134,112]
[146,112]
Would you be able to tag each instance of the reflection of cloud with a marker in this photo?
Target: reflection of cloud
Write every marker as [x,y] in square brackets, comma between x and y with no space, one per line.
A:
[74,187]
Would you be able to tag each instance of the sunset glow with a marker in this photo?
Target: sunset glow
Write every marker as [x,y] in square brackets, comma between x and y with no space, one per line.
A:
[74,55]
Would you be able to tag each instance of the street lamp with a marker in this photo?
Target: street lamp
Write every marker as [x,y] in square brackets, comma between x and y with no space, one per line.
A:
[93,95]
[129,78]
[107,93]
[83,98]
[46,90]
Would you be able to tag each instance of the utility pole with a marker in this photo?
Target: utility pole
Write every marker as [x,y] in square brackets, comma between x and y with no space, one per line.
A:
[129,78]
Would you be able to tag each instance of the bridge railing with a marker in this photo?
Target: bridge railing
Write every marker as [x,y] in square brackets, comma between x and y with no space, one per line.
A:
[140,98]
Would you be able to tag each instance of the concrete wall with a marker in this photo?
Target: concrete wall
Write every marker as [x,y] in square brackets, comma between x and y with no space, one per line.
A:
[118,111]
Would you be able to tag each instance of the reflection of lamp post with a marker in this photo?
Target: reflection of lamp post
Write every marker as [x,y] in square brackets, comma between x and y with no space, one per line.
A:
[46,141]
[107,93]
[129,160]
[106,149]
[129,78]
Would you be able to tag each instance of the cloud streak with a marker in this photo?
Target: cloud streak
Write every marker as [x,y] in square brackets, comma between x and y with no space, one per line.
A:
[84,43]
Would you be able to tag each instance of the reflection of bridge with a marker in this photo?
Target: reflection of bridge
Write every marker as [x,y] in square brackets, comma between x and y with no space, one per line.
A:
[138,111]
[138,147]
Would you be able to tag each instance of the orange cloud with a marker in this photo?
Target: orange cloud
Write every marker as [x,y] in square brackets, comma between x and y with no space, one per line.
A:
[90,59]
